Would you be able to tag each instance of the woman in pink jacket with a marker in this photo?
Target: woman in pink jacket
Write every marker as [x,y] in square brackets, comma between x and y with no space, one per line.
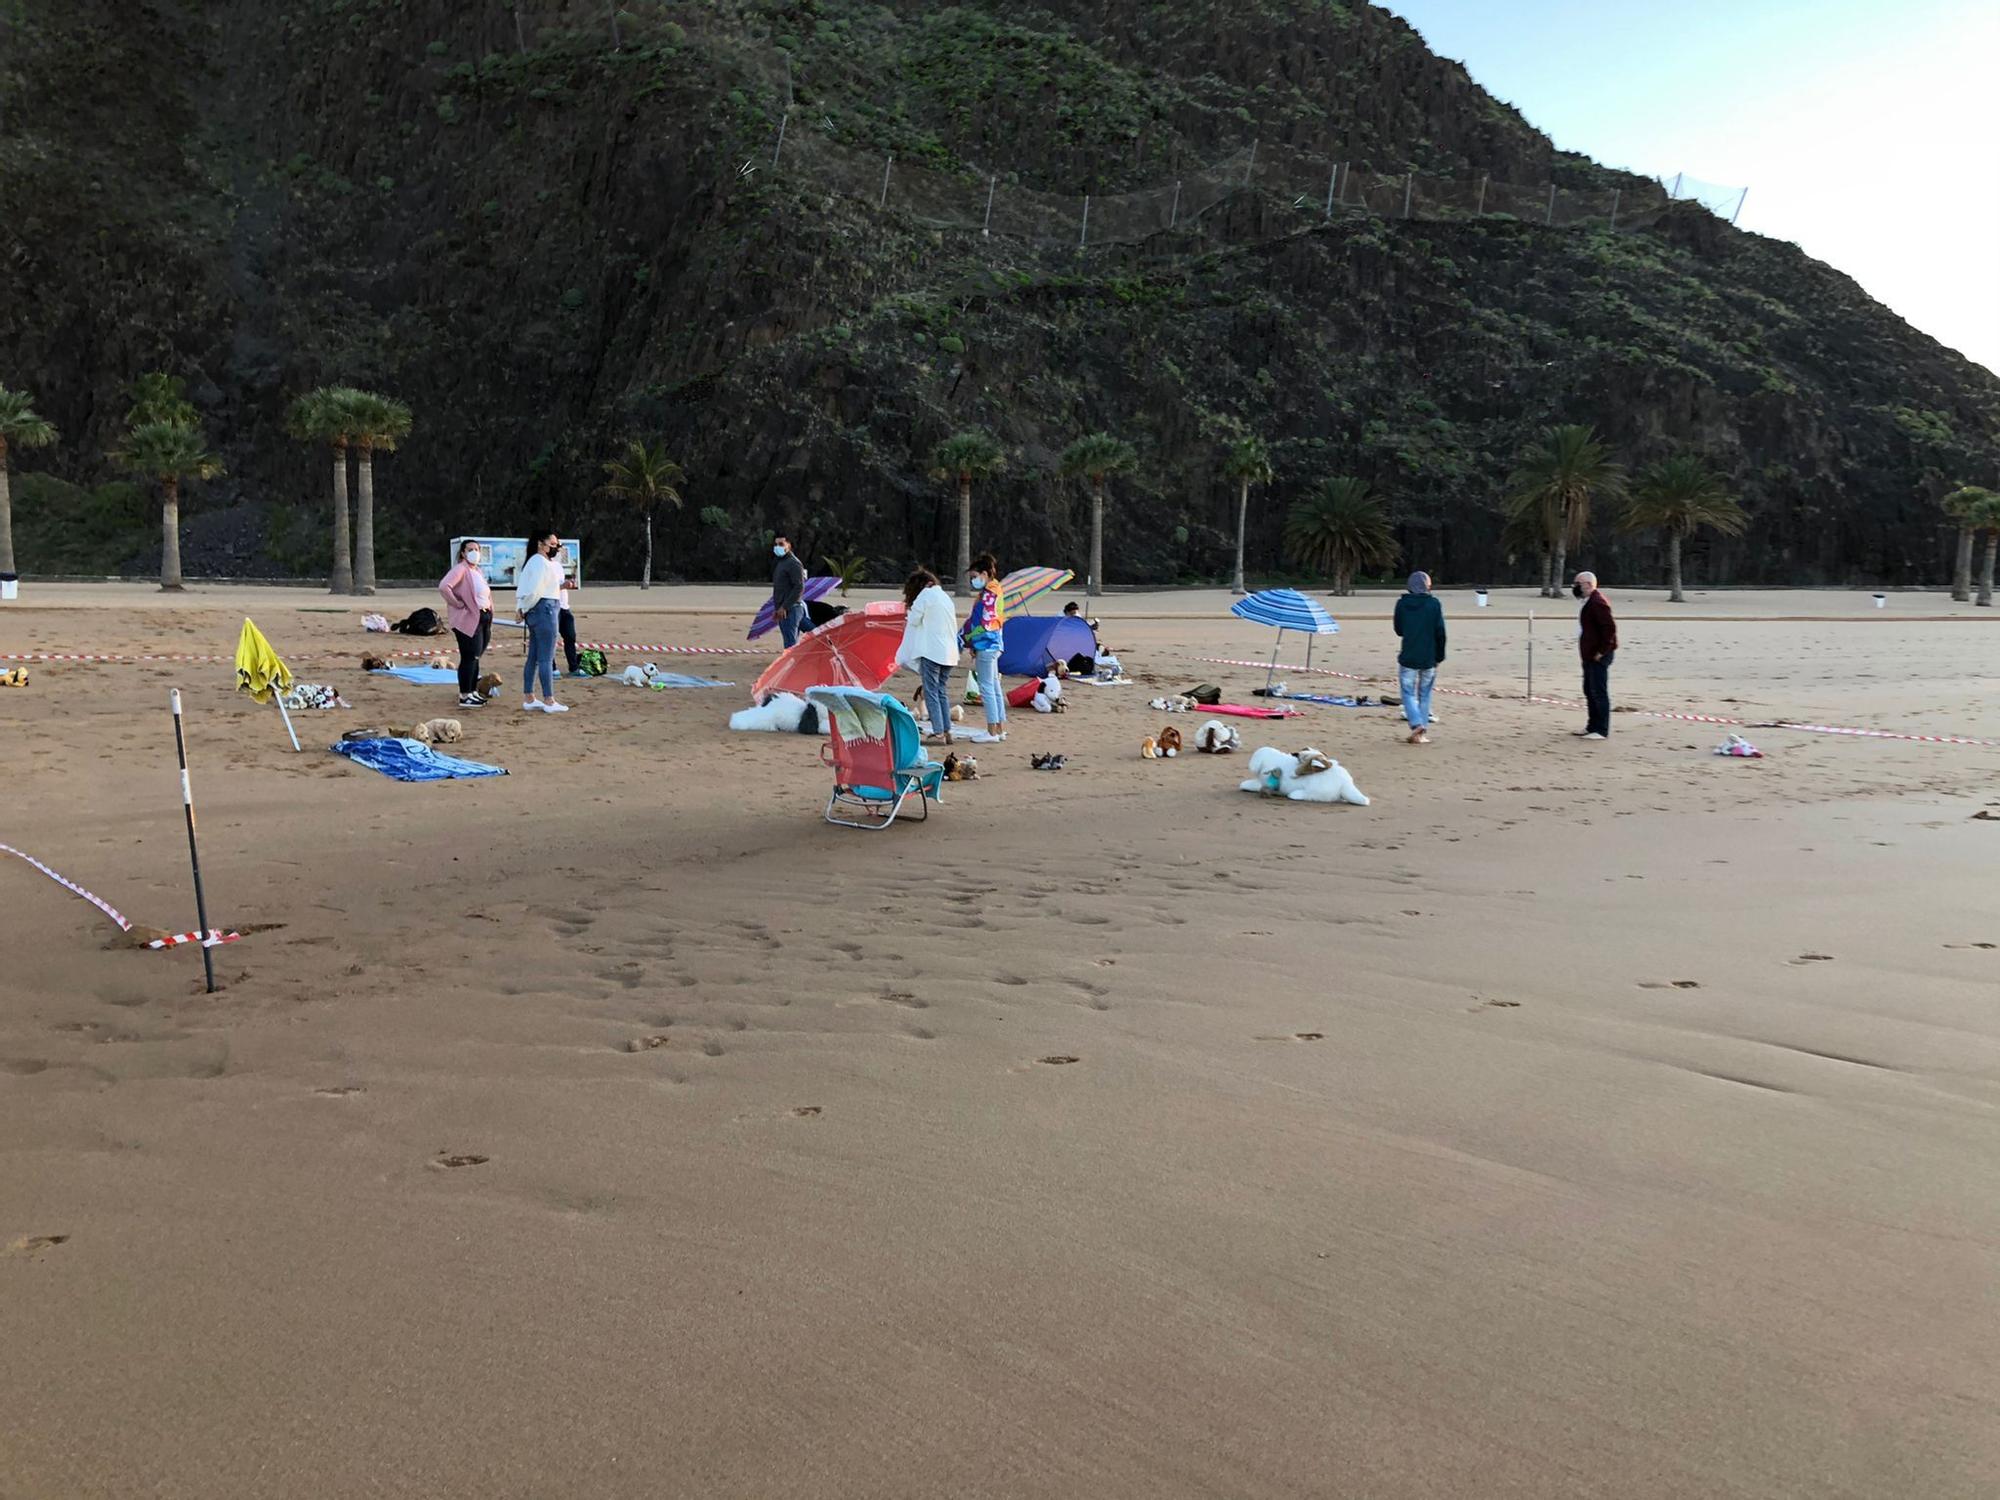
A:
[468,605]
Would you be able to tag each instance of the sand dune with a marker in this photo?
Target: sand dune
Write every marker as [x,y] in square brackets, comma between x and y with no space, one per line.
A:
[1575,1120]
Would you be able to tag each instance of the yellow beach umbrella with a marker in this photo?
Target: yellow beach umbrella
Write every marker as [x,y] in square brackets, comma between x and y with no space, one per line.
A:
[262,673]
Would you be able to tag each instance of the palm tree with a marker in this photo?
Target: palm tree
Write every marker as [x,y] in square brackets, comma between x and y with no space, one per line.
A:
[321,416]
[1959,505]
[20,427]
[169,452]
[380,422]
[966,456]
[1248,462]
[1340,528]
[1681,496]
[1986,517]
[645,477]
[1095,457]
[159,397]
[1552,489]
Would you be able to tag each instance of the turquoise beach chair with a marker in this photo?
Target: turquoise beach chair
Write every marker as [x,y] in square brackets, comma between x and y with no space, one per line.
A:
[877,757]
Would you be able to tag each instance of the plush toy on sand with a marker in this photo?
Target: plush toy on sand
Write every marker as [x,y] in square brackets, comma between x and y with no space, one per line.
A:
[1306,777]
[1216,738]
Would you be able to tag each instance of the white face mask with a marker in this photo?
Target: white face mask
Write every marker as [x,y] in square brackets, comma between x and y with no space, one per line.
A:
[472,559]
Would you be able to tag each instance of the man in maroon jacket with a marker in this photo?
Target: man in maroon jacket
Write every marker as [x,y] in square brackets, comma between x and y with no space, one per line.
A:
[1598,641]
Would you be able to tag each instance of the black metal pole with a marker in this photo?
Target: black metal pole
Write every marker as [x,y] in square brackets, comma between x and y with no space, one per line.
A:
[194,854]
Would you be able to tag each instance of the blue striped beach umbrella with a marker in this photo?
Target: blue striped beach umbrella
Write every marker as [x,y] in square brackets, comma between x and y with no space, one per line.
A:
[1287,609]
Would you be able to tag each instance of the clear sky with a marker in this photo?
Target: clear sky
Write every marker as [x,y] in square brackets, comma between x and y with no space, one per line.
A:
[1867,131]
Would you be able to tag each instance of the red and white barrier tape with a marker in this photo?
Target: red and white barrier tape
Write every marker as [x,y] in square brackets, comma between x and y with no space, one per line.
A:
[676,650]
[214,938]
[1647,713]
[100,656]
[325,655]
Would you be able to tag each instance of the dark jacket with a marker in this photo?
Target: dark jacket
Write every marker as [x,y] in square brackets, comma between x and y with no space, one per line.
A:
[1600,631]
[788,582]
[1420,622]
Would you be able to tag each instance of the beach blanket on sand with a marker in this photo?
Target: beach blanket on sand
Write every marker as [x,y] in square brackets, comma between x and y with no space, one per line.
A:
[410,760]
[1329,700]
[683,680]
[425,675]
[1251,711]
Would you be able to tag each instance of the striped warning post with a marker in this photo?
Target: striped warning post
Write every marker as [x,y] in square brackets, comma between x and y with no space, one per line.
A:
[214,937]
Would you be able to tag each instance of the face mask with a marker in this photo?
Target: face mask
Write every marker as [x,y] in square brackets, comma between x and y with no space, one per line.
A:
[777,552]
[978,582]
[1576,589]
[472,559]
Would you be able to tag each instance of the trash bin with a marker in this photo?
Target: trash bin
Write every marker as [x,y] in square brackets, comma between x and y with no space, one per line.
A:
[10,586]
[1479,598]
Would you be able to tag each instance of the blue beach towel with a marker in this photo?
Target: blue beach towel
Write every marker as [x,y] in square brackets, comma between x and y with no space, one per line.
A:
[682,680]
[411,760]
[426,675]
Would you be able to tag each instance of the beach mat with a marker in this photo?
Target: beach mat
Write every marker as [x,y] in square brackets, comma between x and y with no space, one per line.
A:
[411,760]
[428,676]
[1248,711]
[683,680]
[1329,700]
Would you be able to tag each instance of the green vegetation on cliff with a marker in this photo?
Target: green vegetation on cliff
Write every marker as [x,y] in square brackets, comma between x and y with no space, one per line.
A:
[547,245]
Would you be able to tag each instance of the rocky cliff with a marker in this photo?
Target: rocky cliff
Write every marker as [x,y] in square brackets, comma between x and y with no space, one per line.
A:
[546,238]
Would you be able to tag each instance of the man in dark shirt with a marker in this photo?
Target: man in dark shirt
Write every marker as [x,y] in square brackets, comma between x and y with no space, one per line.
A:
[1419,620]
[1597,642]
[788,591]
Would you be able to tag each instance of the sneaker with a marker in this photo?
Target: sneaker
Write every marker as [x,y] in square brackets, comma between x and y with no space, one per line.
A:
[1593,736]
[532,706]
[555,708]
[1583,734]
[471,700]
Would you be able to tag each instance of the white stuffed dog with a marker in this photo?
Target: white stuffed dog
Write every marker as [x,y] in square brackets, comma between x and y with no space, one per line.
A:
[781,715]
[1306,777]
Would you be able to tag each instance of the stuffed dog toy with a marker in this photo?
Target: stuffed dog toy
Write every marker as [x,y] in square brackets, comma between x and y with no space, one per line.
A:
[373,664]
[960,768]
[1216,738]
[1306,777]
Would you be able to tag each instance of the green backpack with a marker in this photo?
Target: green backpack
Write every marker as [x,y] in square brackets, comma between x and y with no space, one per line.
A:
[591,663]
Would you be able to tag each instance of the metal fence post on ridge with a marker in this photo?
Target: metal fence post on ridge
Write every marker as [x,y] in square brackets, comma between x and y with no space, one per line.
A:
[782,121]
[1409,187]
[1083,234]
[1331,178]
[1614,207]
[1550,216]
[986,229]
[1739,204]
[1251,165]
[1174,213]
[887,162]
[1482,195]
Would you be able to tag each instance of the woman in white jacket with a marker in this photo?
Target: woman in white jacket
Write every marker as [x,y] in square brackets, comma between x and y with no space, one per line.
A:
[930,646]
[537,583]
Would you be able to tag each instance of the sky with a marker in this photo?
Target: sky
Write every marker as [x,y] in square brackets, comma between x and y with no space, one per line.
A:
[1867,133]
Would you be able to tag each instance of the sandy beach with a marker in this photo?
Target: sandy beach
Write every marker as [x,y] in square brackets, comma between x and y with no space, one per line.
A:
[1575,1120]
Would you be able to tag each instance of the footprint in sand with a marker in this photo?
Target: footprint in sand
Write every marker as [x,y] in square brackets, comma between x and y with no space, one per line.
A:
[806,1111]
[645,1043]
[1669,984]
[466,1159]
[1058,1059]
[1812,958]
[341,1091]
[28,1244]
[1972,945]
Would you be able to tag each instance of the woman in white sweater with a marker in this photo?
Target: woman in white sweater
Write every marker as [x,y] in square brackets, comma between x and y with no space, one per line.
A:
[536,587]
[930,646]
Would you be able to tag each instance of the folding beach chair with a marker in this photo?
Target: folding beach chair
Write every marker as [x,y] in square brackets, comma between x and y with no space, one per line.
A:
[877,758]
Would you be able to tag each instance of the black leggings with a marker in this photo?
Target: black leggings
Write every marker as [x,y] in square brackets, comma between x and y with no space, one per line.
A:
[566,626]
[470,649]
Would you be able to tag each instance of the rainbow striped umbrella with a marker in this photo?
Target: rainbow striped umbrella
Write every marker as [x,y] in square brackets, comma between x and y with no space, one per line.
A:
[1023,584]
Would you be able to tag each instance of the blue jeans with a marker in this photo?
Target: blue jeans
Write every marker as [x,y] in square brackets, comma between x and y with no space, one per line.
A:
[986,667]
[1416,683]
[791,622]
[1597,695]
[937,680]
[541,660]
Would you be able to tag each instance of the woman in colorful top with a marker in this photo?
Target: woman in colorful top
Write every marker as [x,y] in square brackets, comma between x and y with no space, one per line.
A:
[982,636]
[468,605]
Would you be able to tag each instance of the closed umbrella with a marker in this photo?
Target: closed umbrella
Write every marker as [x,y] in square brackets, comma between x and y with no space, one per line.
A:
[262,673]
[856,650]
[767,617]
[1023,584]
[1287,609]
